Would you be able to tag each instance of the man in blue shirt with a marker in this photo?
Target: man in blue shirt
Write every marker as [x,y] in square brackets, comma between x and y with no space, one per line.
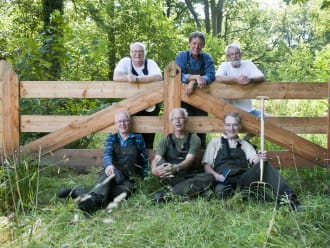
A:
[124,159]
[197,70]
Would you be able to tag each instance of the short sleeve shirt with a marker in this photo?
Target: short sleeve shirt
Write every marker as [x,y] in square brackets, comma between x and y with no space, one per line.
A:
[125,66]
[247,68]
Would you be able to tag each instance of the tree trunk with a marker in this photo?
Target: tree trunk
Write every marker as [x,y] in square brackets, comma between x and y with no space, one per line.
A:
[194,14]
[52,46]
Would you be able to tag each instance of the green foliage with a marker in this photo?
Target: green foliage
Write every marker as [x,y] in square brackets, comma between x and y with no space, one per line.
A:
[19,186]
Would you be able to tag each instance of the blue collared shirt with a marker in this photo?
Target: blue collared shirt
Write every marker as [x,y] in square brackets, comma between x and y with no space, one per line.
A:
[195,65]
[141,149]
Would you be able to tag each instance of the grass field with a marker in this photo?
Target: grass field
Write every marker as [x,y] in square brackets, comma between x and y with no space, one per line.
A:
[43,220]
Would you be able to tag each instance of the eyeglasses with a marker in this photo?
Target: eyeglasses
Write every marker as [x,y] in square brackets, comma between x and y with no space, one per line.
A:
[137,51]
[123,121]
[234,125]
[178,119]
[234,54]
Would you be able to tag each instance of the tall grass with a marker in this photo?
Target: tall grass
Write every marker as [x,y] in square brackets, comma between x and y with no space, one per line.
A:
[139,222]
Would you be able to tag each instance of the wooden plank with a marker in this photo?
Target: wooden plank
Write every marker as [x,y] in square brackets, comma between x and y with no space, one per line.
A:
[94,122]
[89,159]
[148,124]
[172,94]
[295,144]
[10,114]
[111,89]
[82,89]
[284,90]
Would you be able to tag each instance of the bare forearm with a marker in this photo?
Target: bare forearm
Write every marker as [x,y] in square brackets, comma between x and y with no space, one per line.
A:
[149,78]
[226,80]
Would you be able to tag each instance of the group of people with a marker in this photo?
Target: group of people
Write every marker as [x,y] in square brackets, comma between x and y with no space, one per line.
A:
[228,164]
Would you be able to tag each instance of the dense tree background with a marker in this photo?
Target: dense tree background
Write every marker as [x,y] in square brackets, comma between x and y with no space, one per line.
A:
[84,39]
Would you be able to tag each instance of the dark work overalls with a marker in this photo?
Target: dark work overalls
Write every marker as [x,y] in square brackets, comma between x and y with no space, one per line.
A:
[148,137]
[186,181]
[126,161]
[193,111]
[242,175]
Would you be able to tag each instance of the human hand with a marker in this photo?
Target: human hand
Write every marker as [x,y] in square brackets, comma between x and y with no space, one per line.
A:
[190,87]
[243,80]
[131,78]
[201,82]
[110,170]
[163,171]
[262,155]
[219,178]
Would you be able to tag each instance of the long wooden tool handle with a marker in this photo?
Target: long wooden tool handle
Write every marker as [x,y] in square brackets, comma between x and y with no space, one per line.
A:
[262,133]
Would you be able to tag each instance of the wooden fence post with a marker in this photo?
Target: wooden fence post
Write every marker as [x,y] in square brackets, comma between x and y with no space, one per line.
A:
[172,92]
[9,122]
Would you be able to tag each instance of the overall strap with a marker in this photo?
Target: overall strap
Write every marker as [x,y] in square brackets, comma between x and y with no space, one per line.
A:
[202,69]
[145,69]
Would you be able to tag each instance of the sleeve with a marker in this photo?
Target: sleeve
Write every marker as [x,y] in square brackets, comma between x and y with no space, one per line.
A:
[195,145]
[254,70]
[123,66]
[143,154]
[181,61]
[249,150]
[108,151]
[210,152]
[161,148]
[209,75]
[221,70]
[153,68]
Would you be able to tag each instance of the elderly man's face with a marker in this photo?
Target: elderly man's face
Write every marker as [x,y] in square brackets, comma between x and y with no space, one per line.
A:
[123,123]
[178,121]
[137,55]
[232,127]
[234,57]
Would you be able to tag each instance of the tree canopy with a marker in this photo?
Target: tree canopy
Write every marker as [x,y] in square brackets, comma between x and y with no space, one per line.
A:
[83,40]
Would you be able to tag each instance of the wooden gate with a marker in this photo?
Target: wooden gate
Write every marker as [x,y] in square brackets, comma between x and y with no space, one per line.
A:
[63,130]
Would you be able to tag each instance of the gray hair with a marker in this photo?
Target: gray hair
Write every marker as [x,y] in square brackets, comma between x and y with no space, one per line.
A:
[182,110]
[232,45]
[128,116]
[235,115]
[134,44]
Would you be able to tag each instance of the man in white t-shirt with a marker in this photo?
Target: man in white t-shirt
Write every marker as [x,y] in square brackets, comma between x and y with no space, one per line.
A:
[242,72]
[136,69]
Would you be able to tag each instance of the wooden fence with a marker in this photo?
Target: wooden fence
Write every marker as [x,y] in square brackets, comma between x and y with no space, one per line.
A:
[62,130]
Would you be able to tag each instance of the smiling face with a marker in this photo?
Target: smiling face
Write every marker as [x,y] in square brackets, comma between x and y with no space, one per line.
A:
[196,46]
[137,55]
[122,120]
[234,56]
[232,127]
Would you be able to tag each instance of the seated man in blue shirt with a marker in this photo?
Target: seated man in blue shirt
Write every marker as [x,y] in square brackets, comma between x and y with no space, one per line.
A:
[124,158]
[197,70]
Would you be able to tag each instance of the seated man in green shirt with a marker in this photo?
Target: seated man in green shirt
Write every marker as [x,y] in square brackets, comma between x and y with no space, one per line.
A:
[175,158]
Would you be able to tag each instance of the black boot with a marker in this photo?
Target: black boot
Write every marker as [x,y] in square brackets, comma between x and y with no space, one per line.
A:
[162,197]
[292,201]
[90,203]
[68,192]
